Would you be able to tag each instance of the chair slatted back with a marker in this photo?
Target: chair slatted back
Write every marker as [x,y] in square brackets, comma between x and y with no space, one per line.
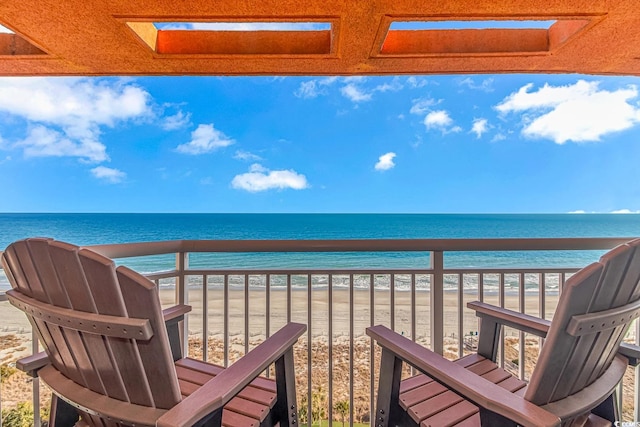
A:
[569,362]
[65,276]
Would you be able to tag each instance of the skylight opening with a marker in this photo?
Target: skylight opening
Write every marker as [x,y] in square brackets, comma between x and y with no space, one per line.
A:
[471,25]
[425,37]
[243,26]
[273,37]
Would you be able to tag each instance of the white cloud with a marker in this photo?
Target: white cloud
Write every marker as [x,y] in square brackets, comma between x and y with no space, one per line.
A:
[422,105]
[579,211]
[307,90]
[176,121]
[260,178]
[441,120]
[385,162]
[354,93]
[110,175]
[77,107]
[578,112]
[42,141]
[486,85]
[352,88]
[392,86]
[245,155]
[498,137]
[205,139]
[624,211]
[479,127]
[438,119]
[314,88]
[416,83]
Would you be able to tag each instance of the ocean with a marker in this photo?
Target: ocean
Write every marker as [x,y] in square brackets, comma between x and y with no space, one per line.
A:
[91,229]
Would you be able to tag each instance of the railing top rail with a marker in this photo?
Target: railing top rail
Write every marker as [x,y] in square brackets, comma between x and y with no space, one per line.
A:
[125,250]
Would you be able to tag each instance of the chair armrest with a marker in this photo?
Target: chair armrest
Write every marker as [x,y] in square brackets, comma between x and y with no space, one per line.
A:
[473,387]
[631,352]
[213,395]
[177,311]
[523,322]
[32,364]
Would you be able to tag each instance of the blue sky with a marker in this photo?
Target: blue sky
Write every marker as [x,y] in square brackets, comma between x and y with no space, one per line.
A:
[414,144]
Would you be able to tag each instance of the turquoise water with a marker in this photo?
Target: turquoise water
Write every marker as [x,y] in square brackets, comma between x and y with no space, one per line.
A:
[89,229]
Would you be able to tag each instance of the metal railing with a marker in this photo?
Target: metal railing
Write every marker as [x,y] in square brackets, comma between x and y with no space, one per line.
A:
[234,308]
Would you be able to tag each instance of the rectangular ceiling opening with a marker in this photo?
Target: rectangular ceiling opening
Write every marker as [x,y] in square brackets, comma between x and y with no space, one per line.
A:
[12,44]
[243,26]
[305,37]
[423,37]
[469,25]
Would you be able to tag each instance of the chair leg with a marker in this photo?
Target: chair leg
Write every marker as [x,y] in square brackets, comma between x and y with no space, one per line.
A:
[387,406]
[491,419]
[607,409]
[212,420]
[286,407]
[62,414]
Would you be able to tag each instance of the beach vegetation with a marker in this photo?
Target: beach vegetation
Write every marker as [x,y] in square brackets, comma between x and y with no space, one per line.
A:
[6,371]
[341,408]
[22,416]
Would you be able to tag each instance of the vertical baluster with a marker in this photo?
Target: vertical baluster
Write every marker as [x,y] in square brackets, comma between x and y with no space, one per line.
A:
[460,314]
[413,313]
[267,297]
[351,352]
[521,308]
[542,295]
[437,302]
[501,304]
[372,319]
[330,376]
[392,301]
[288,298]
[542,303]
[246,313]
[480,297]
[205,318]
[636,381]
[225,303]
[309,354]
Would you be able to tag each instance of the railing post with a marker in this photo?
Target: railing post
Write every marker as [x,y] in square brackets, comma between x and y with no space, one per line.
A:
[437,302]
[636,380]
[182,296]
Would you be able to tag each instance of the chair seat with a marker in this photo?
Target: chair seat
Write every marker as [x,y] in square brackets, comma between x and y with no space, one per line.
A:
[251,406]
[429,403]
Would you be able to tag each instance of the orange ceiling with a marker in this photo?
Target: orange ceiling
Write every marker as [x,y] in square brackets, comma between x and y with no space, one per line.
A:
[117,37]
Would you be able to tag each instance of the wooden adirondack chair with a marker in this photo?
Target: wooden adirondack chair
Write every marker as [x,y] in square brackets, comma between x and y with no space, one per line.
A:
[578,368]
[113,358]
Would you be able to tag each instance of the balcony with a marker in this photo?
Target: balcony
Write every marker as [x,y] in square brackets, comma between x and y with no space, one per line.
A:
[236,308]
